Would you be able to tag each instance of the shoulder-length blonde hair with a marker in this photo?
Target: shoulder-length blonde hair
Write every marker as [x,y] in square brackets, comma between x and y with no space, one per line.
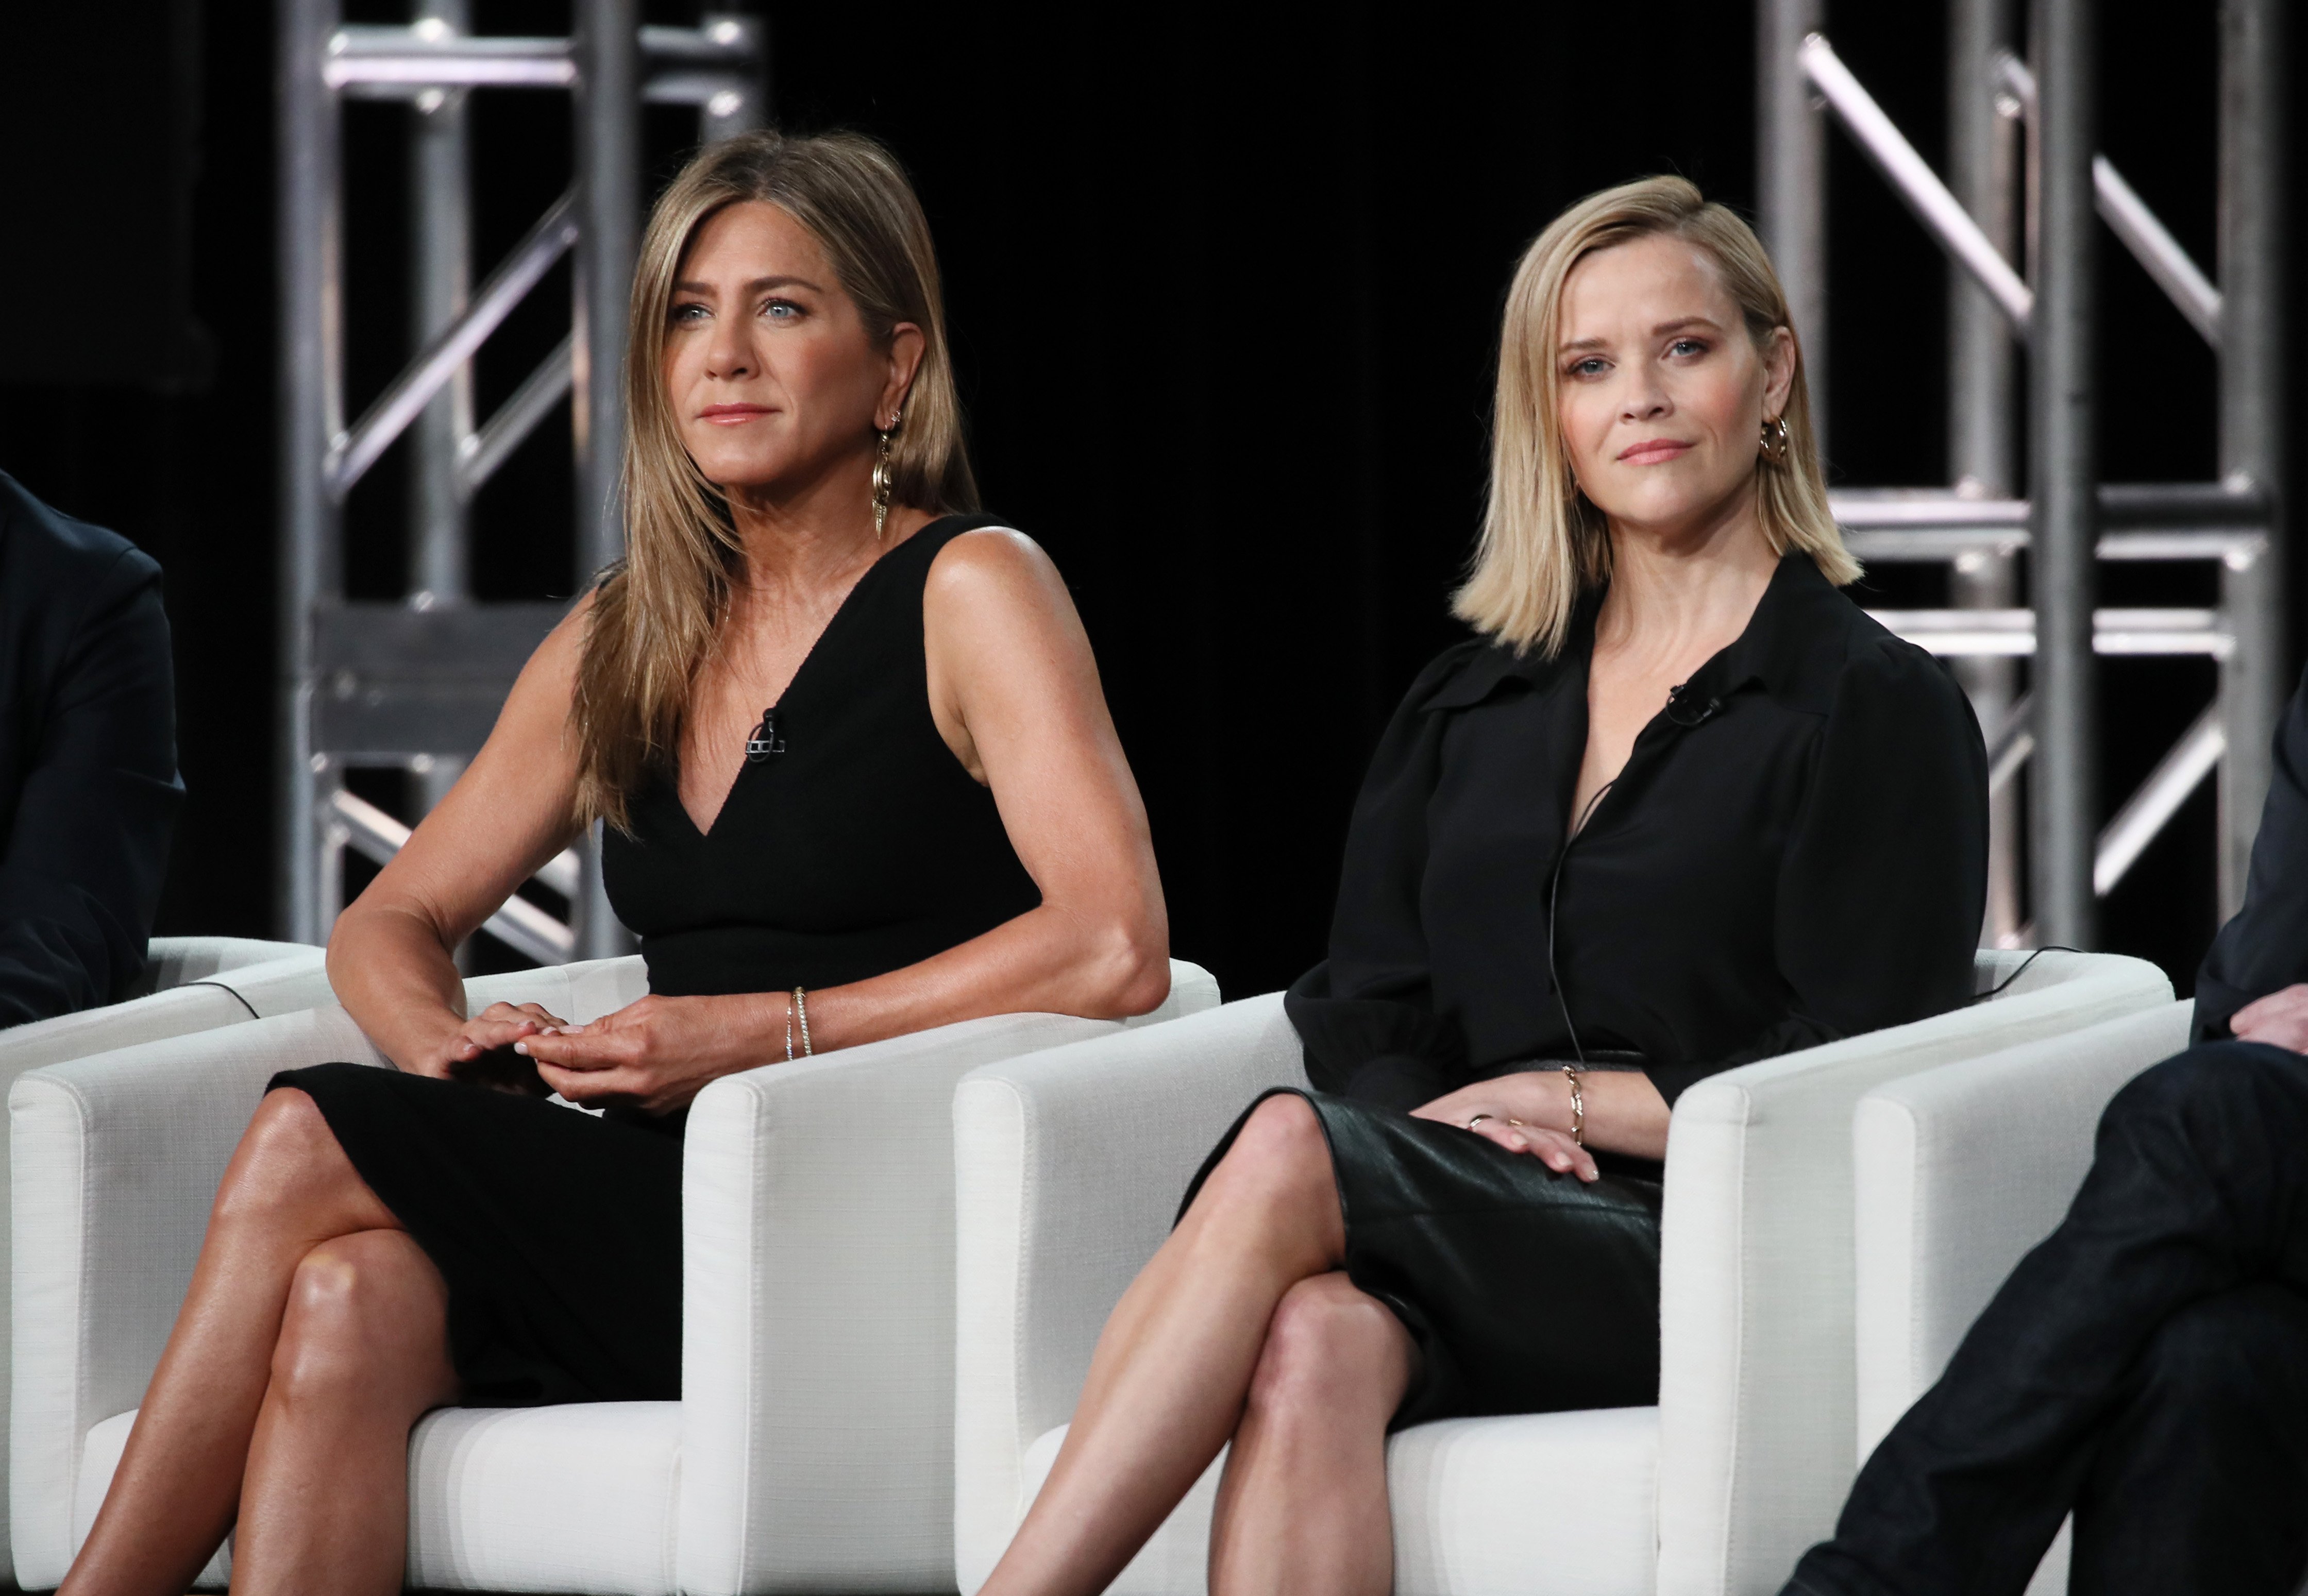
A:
[657,613]
[1543,543]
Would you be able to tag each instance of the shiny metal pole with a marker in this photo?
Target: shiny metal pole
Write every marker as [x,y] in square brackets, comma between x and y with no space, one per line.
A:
[608,105]
[2253,679]
[1791,180]
[312,413]
[2063,474]
[440,205]
[1983,166]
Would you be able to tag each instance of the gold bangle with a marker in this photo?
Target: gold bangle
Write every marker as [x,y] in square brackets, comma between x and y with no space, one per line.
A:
[789,1030]
[801,1007]
[1578,1107]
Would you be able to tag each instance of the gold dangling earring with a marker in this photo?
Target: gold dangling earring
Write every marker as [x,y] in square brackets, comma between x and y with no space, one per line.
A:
[882,484]
[1775,441]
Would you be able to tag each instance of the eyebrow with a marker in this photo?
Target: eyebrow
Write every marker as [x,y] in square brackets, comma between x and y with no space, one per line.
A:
[758,285]
[1661,330]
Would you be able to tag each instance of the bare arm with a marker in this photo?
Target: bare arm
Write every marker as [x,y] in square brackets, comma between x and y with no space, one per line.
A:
[513,810]
[1625,1114]
[1015,692]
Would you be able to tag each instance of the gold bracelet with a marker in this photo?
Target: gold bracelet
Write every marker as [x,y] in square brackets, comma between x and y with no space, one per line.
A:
[801,1007]
[789,1030]
[1578,1107]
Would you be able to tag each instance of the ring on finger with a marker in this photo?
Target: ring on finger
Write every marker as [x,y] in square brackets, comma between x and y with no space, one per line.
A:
[1479,1119]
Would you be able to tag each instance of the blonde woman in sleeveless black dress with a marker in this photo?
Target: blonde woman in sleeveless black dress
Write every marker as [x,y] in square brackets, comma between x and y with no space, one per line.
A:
[848,738]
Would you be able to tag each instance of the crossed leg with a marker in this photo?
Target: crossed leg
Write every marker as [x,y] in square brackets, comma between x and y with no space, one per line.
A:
[313,1337]
[1239,1327]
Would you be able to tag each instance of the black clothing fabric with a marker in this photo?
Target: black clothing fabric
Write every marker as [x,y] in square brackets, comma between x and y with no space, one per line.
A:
[860,848]
[1796,852]
[1474,1246]
[88,790]
[559,1232]
[2146,1365]
[863,847]
[2264,949]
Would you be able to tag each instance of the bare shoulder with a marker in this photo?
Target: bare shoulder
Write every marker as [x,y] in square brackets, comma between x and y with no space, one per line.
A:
[995,577]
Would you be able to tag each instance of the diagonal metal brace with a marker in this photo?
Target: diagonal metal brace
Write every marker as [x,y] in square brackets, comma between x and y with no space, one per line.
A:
[353,452]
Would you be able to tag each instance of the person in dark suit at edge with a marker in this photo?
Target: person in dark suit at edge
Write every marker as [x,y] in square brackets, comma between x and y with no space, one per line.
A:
[89,789]
[2146,1367]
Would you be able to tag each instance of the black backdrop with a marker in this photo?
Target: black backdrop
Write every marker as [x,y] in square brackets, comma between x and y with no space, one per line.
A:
[1224,282]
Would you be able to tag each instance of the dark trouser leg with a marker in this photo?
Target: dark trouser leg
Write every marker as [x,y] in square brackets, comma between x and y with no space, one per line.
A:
[2198,1185]
[2199,1484]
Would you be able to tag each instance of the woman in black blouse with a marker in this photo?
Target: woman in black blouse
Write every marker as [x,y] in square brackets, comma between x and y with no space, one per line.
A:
[1682,805]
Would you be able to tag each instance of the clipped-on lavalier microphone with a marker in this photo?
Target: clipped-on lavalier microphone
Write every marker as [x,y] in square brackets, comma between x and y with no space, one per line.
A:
[1685,708]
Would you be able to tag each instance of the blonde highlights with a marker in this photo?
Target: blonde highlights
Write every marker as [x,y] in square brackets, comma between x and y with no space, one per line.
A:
[1543,543]
[656,614]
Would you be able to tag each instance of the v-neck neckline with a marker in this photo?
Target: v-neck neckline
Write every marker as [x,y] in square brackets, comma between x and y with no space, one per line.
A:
[705,834]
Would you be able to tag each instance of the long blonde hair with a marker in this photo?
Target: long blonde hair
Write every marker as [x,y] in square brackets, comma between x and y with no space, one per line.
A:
[1543,543]
[656,614]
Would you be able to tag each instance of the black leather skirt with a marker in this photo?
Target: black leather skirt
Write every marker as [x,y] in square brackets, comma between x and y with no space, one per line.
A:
[1526,1291]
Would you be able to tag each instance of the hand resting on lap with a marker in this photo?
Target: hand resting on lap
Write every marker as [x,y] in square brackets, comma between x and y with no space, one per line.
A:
[2280,1019]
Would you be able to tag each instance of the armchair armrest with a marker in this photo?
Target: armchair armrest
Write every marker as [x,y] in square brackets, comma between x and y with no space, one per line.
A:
[1957,1172]
[1757,1371]
[818,1307]
[1068,1166]
[115,1161]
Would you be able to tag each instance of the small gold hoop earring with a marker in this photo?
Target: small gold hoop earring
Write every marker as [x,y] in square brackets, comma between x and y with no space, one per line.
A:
[1775,441]
[881,482]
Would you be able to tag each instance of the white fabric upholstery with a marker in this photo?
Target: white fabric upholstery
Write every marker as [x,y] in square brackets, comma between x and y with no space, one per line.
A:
[814,1449]
[1957,1172]
[1539,1505]
[1070,1165]
[190,985]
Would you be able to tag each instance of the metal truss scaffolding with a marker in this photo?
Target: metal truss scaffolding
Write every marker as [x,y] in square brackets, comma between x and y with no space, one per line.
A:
[417,683]
[2024,171]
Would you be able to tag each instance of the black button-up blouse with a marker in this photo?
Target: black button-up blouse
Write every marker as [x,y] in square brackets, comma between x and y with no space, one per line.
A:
[1795,852]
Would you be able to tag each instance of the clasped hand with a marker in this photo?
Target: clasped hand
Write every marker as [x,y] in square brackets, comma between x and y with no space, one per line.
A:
[1528,1097]
[655,1054]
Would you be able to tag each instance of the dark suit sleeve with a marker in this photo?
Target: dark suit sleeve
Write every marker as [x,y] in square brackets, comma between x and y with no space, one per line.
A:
[80,876]
[2265,947]
[1884,882]
[1366,1014]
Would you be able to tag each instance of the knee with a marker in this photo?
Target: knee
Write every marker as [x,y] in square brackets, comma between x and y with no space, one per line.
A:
[2243,1348]
[288,1157]
[1328,1350]
[2207,1085]
[1281,1148]
[355,1304]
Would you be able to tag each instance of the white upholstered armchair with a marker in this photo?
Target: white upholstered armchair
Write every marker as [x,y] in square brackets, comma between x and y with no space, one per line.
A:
[1957,1172]
[812,1450]
[1070,1165]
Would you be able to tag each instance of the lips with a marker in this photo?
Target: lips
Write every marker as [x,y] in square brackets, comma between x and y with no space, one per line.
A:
[1652,451]
[731,415]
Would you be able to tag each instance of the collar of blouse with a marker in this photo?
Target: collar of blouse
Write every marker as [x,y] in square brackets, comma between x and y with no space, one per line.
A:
[1793,648]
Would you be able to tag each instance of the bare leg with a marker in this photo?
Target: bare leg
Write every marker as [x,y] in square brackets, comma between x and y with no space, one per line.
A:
[364,1351]
[289,1188]
[1303,1506]
[1173,1367]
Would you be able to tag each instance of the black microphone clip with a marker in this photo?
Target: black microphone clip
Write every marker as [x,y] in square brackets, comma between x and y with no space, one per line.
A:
[1689,715]
[765,739]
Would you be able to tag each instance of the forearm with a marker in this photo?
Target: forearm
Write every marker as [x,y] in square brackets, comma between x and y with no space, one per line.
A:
[393,973]
[1048,961]
[1625,1112]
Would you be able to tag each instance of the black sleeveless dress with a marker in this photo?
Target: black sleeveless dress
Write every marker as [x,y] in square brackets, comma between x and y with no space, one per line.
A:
[858,847]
